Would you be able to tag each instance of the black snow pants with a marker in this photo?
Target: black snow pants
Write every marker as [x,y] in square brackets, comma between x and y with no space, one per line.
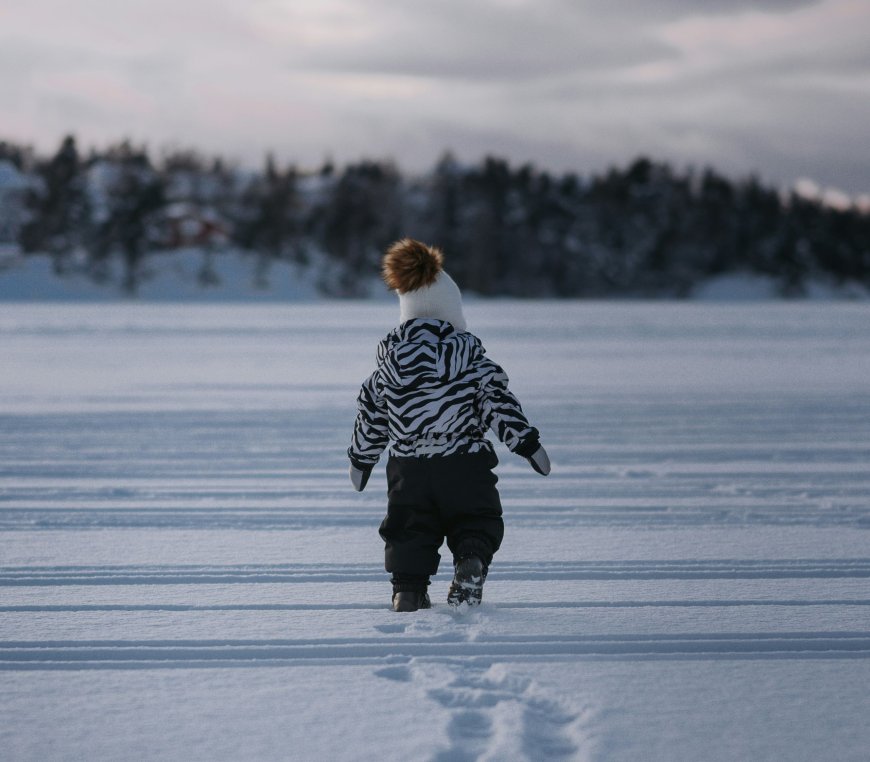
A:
[452,496]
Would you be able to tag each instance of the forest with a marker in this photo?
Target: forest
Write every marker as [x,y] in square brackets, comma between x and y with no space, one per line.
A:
[643,230]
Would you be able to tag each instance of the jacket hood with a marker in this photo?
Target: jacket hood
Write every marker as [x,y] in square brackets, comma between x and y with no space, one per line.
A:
[426,352]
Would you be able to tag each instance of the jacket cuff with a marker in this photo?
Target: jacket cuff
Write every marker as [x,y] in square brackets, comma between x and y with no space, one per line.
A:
[358,464]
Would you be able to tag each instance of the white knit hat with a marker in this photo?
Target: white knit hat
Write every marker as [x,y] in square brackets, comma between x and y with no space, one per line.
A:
[441,300]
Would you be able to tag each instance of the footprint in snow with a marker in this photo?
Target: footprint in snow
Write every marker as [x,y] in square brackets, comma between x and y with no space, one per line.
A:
[500,715]
[400,673]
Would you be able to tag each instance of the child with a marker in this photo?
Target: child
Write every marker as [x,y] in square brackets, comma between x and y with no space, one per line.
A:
[434,394]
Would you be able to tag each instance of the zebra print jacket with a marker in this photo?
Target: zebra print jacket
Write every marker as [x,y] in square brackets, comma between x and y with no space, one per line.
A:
[435,392]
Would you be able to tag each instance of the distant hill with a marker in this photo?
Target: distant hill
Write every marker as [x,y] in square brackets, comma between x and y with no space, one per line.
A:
[118,223]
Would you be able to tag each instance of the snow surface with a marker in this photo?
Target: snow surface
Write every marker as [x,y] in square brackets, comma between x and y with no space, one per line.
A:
[754,287]
[185,572]
[176,276]
[167,277]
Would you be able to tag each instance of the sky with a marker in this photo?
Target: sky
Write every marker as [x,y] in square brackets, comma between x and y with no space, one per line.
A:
[778,88]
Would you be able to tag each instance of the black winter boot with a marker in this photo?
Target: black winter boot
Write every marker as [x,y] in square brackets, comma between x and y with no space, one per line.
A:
[409,592]
[467,585]
[411,600]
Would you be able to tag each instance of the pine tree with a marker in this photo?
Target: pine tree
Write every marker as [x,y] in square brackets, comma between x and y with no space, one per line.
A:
[59,208]
[130,223]
[362,218]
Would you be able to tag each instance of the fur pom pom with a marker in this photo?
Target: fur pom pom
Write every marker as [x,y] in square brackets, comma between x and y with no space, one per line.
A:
[409,265]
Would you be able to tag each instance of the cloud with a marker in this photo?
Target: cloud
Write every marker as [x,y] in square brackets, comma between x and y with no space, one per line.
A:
[485,41]
[776,86]
[669,10]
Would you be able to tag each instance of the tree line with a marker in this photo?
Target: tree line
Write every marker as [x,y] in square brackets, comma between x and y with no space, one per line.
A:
[646,229]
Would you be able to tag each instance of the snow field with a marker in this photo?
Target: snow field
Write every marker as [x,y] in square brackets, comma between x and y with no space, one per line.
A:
[185,572]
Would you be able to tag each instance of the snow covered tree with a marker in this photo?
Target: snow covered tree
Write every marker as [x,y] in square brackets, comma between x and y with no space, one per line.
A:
[362,217]
[130,198]
[58,207]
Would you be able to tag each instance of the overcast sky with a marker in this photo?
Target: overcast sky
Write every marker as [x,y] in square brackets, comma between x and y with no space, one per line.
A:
[776,87]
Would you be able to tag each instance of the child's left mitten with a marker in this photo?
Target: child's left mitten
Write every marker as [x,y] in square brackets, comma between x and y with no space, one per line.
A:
[533,451]
[540,461]
[359,475]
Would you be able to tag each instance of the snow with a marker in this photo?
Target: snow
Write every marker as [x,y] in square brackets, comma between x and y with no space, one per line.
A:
[833,198]
[168,277]
[238,276]
[187,574]
[754,287]
[737,287]
[176,276]
[11,178]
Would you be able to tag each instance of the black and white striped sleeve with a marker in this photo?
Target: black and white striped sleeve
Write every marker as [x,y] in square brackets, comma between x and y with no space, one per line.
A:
[371,429]
[501,410]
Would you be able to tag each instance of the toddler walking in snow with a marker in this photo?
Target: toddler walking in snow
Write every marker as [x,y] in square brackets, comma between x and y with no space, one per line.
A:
[434,395]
